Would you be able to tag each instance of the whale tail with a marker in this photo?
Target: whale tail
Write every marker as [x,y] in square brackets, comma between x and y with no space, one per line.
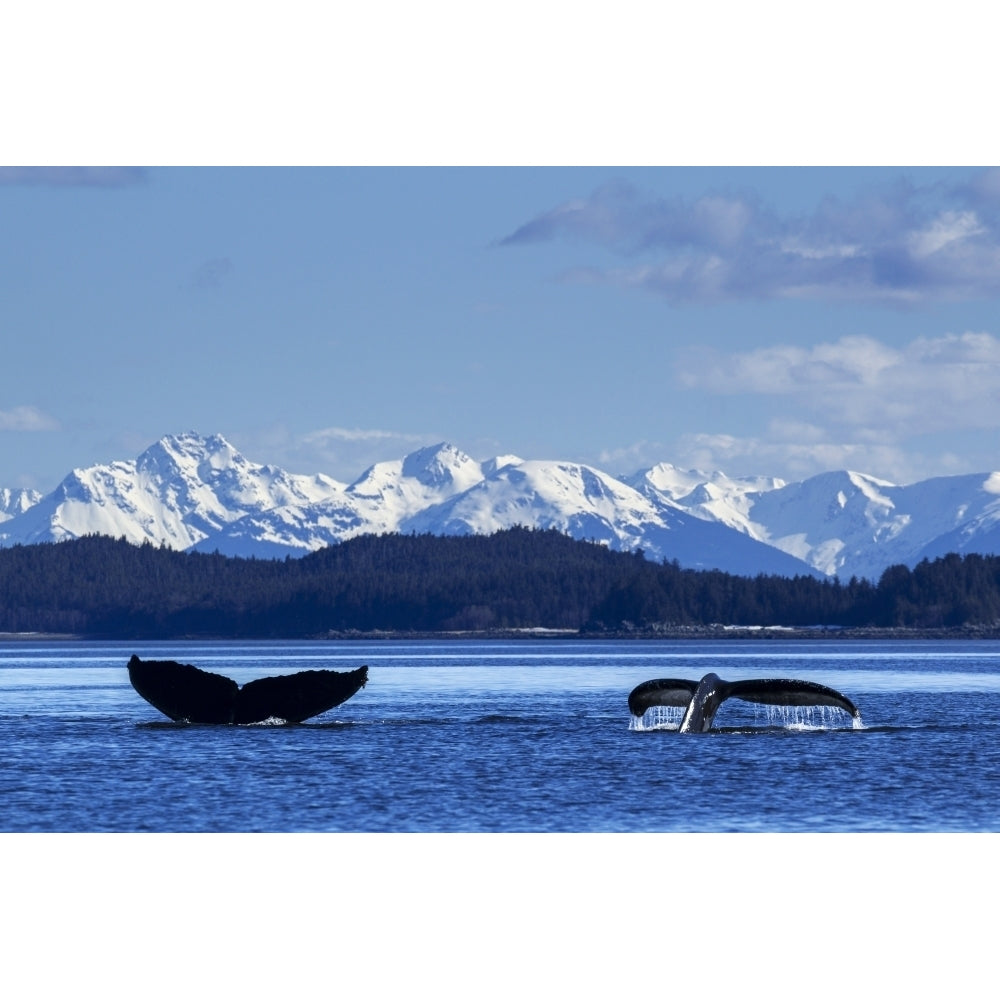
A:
[702,699]
[189,694]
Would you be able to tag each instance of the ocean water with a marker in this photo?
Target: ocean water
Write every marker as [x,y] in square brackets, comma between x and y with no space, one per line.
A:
[521,736]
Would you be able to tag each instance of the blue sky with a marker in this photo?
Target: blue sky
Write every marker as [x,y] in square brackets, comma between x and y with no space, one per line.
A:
[775,321]
[759,319]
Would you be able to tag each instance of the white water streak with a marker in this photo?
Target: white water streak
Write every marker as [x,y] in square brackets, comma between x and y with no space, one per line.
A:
[796,717]
[805,716]
[657,717]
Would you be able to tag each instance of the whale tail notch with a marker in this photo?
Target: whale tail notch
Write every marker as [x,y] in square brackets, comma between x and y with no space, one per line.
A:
[186,693]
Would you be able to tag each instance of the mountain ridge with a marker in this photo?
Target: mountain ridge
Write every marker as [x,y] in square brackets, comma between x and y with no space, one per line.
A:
[191,492]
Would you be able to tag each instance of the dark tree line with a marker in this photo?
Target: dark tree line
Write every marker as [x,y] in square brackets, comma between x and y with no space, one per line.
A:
[519,578]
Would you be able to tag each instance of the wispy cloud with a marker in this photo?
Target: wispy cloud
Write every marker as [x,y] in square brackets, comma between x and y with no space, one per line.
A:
[783,453]
[26,418]
[346,453]
[789,450]
[631,457]
[341,452]
[902,244]
[932,384]
[359,435]
[107,177]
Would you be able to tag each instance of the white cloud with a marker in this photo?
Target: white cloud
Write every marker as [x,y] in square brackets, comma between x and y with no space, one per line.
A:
[946,383]
[962,349]
[330,435]
[788,369]
[945,229]
[781,452]
[629,458]
[343,453]
[900,245]
[26,418]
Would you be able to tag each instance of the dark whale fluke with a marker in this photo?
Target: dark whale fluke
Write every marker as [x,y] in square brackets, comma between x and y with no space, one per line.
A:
[703,698]
[189,694]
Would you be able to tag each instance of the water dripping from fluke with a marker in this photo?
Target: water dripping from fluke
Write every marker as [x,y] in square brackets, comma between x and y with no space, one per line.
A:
[808,717]
[657,717]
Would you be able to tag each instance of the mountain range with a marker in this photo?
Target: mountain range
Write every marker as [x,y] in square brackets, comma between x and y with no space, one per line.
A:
[191,492]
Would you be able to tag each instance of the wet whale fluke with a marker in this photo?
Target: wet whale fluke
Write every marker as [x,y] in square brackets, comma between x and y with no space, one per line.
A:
[189,694]
[702,699]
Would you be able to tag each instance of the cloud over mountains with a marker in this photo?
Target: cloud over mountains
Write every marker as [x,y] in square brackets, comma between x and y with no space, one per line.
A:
[860,381]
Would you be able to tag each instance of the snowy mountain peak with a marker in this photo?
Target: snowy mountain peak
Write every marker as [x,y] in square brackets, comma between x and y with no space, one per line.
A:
[577,499]
[492,465]
[679,484]
[709,496]
[426,476]
[870,487]
[671,481]
[14,502]
[442,466]
[178,491]
[193,492]
[190,454]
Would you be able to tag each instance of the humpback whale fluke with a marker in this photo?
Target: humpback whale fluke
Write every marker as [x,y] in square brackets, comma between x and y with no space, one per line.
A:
[188,694]
[703,698]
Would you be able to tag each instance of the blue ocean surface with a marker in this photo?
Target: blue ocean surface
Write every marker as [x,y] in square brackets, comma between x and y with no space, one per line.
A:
[508,736]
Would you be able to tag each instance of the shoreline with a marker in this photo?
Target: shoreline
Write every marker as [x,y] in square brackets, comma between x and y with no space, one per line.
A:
[693,632]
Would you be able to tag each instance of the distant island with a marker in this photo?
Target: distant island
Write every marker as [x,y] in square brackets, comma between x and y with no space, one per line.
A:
[519,581]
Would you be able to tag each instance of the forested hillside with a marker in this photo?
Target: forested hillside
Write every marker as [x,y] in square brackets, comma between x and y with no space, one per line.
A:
[519,578]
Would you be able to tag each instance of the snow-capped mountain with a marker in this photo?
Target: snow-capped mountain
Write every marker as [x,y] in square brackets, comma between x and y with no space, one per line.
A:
[176,492]
[14,502]
[848,524]
[381,500]
[441,491]
[589,504]
[191,492]
[711,496]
